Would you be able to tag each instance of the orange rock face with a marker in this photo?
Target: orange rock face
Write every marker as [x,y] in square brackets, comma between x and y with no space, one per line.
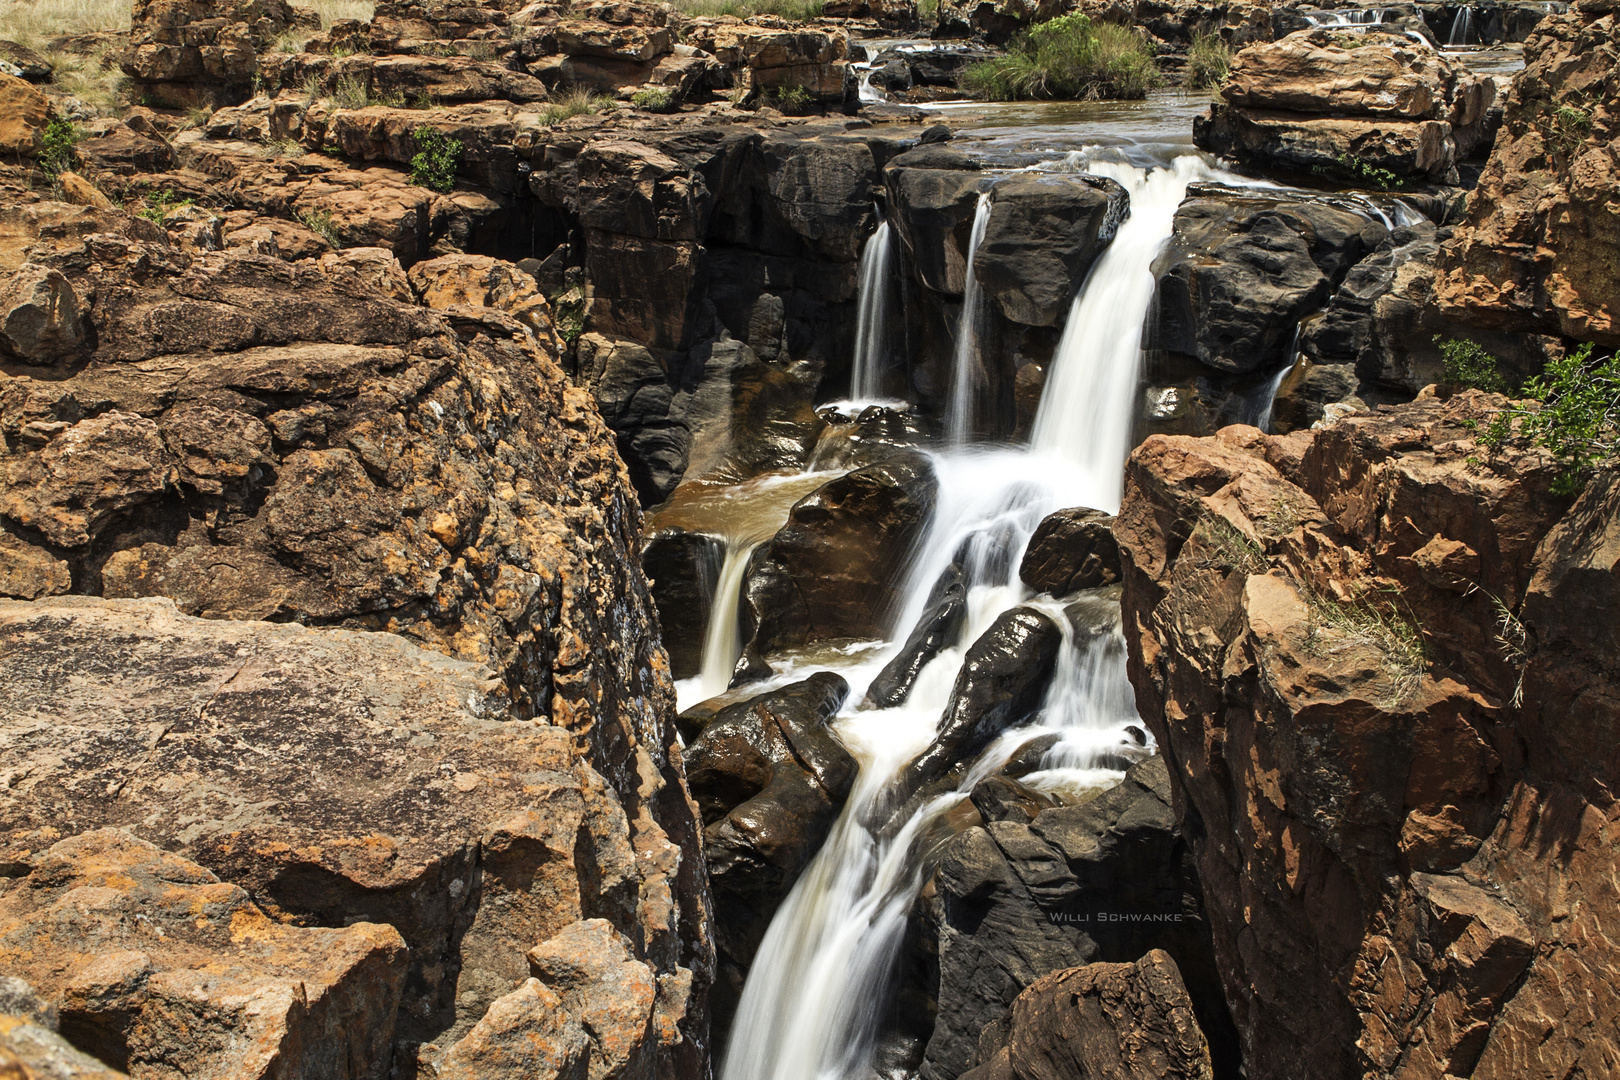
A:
[157,966]
[1539,247]
[1376,659]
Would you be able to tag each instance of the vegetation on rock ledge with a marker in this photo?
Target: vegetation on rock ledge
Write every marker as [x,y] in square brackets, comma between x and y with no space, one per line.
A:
[1068,58]
[1208,61]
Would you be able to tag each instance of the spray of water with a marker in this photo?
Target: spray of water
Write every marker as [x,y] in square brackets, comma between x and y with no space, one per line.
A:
[872,315]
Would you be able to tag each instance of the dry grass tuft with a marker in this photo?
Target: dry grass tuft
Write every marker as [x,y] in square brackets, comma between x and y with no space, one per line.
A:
[1373,623]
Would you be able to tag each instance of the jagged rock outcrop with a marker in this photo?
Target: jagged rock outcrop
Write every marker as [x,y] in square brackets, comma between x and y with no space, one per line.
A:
[1540,237]
[31,1048]
[257,439]
[189,53]
[1041,237]
[154,965]
[1115,1021]
[1320,101]
[1016,900]
[1380,673]
[770,779]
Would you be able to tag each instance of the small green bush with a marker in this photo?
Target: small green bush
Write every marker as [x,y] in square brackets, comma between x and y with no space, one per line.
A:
[1578,418]
[653,98]
[434,165]
[792,100]
[157,204]
[1068,58]
[1468,364]
[56,146]
[1208,61]
[1361,172]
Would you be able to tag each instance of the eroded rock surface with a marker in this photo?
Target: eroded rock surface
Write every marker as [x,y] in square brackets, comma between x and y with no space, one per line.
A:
[1541,235]
[1375,817]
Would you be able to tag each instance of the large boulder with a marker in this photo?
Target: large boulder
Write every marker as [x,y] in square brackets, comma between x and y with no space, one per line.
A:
[1042,236]
[836,569]
[254,439]
[1388,636]
[1348,105]
[1015,901]
[770,779]
[1002,683]
[1240,272]
[24,112]
[1115,1021]
[1535,250]
[190,53]
[1071,550]
[150,961]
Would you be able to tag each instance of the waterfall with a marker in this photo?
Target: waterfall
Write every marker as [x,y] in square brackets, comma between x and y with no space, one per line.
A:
[821,982]
[1462,26]
[722,644]
[1088,405]
[959,411]
[868,92]
[872,316]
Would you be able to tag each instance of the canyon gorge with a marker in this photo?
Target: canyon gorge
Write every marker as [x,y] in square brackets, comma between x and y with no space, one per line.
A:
[607,540]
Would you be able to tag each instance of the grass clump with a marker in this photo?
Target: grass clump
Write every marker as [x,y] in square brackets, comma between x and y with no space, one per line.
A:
[653,98]
[355,92]
[320,223]
[1223,546]
[1208,61]
[580,101]
[568,313]
[56,146]
[747,9]
[1573,412]
[1374,624]
[434,165]
[1068,58]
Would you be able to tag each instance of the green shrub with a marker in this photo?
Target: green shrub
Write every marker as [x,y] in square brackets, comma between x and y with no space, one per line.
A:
[792,100]
[156,205]
[1208,60]
[434,165]
[653,98]
[56,146]
[1361,172]
[1468,364]
[1569,128]
[1578,418]
[1068,58]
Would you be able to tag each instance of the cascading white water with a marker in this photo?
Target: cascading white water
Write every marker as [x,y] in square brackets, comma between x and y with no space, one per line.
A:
[1257,409]
[722,643]
[1462,27]
[1086,409]
[872,315]
[959,410]
[817,987]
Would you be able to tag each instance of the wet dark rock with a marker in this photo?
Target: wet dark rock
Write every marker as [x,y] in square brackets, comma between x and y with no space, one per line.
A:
[1240,272]
[943,67]
[1106,880]
[934,196]
[939,628]
[895,75]
[1002,798]
[835,569]
[1029,757]
[877,434]
[683,568]
[769,779]
[1042,236]
[1069,551]
[1002,682]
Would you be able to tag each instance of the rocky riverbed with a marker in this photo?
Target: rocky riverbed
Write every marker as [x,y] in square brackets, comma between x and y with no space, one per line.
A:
[626,541]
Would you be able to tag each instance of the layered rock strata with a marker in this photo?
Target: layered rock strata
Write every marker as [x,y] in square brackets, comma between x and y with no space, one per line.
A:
[1374,659]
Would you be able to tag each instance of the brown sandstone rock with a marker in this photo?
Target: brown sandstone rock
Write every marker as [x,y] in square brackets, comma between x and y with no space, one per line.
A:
[187,53]
[1339,103]
[1376,856]
[1114,1021]
[23,115]
[31,1049]
[526,1035]
[255,438]
[39,316]
[613,995]
[1538,247]
[157,966]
